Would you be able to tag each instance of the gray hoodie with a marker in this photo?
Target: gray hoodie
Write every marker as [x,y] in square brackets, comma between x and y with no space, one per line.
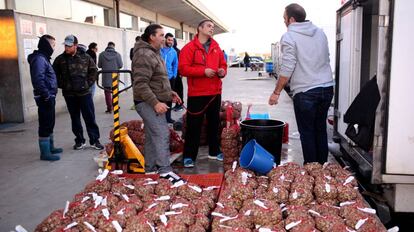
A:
[109,60]
[305,57]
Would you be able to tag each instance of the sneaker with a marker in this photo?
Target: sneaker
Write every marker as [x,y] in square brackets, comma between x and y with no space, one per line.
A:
[151,173]
[188,163]
[178,108]
[171,176]
[79,146]
[97,145]
[218,157]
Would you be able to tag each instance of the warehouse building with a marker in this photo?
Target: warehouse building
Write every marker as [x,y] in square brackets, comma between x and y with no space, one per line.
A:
[100,21]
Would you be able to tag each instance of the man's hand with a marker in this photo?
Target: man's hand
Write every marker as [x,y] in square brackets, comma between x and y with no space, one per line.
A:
[273,99]
[221,72]
[160,108]
[209,72]
[176,98]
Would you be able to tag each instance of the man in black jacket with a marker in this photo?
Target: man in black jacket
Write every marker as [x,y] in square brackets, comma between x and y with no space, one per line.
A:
[92,51]
[178,86]
[76,72]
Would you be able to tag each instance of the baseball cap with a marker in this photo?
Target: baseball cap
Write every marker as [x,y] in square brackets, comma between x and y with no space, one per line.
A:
[70,40]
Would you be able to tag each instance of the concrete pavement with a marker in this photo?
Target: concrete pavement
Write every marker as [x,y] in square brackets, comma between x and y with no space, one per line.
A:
[32,189]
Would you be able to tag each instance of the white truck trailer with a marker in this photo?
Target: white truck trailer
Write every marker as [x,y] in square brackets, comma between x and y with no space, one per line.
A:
[375,38]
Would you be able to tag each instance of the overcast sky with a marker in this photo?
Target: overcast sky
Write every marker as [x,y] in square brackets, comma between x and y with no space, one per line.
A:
[254,25]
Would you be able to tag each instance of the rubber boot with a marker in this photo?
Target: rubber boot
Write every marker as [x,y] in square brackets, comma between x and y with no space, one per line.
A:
[53,149]
[45,154]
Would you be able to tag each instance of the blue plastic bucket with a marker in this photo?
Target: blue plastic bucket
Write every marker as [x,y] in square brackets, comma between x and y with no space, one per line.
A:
[259,116]
[256,158]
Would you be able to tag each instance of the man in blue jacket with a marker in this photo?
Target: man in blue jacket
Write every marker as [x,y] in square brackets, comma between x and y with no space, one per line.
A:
[169,55]
[45,89]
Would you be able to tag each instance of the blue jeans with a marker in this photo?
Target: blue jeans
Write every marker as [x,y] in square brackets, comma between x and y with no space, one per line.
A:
[83,104]
[311,109]
[46,113]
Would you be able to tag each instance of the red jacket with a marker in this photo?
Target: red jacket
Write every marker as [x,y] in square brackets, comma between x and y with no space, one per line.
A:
[194,60]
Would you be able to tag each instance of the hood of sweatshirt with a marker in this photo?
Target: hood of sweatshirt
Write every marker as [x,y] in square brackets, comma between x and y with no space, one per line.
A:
[109,54]
[44,47]
[306,28]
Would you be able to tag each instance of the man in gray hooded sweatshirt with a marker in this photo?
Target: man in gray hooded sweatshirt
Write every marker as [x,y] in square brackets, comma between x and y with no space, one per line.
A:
[305,63]
[109,60]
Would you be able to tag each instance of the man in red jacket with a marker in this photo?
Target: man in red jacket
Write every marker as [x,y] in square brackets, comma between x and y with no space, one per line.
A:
[202,62]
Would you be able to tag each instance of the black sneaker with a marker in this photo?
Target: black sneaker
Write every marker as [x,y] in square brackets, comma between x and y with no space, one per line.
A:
[97,145]
[178,108]
[79,146]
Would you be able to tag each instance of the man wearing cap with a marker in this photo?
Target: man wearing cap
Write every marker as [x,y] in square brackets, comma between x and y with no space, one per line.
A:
[76,72]
[202,62]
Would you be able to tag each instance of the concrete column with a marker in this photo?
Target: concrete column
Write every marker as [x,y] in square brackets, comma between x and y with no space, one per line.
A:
[10,4]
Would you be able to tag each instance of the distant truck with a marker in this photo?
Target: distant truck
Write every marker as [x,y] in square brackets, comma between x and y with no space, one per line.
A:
[375,38]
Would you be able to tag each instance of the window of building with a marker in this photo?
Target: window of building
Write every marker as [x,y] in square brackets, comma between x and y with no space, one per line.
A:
[125,21]
[87,12]
[143,23]
[179,34]
[168,29]
[191,36]
[60,9]
[30,7]
[2,4]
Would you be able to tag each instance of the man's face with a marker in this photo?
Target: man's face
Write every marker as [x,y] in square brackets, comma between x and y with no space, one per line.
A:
[169,42]
[158,39]
[71,50]
[95,49]
[52,43]
[207,29]
[285,19]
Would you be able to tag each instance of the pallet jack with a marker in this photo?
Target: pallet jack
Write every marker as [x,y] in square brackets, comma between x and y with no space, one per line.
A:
[124,155]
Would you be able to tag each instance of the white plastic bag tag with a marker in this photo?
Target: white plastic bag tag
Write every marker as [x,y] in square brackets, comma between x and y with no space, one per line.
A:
[103,175]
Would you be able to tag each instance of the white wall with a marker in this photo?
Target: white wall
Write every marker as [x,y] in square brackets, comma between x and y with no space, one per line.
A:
[86,34]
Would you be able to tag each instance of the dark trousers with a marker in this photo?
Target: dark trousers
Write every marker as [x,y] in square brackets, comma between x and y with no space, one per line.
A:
[108,99]
[246,65]
[178,87]
[194,123]
[46,113]
[78,105]
[169,104]
[311,109]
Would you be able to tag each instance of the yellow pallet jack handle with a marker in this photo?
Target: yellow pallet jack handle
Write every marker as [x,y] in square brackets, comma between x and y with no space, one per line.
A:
[125,155]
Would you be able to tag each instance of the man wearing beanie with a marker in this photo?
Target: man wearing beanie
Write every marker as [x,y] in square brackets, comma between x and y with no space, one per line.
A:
[45,90]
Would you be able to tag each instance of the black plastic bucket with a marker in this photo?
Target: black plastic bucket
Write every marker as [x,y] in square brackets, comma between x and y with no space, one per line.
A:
[267,132]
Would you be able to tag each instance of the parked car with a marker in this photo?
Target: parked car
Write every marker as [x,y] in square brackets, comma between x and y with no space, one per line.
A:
[254,60]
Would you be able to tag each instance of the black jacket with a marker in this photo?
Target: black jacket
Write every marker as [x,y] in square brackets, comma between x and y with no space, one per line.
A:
[74,71]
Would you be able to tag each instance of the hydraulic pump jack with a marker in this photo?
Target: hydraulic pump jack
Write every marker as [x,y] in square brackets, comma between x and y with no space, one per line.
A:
[124,155]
